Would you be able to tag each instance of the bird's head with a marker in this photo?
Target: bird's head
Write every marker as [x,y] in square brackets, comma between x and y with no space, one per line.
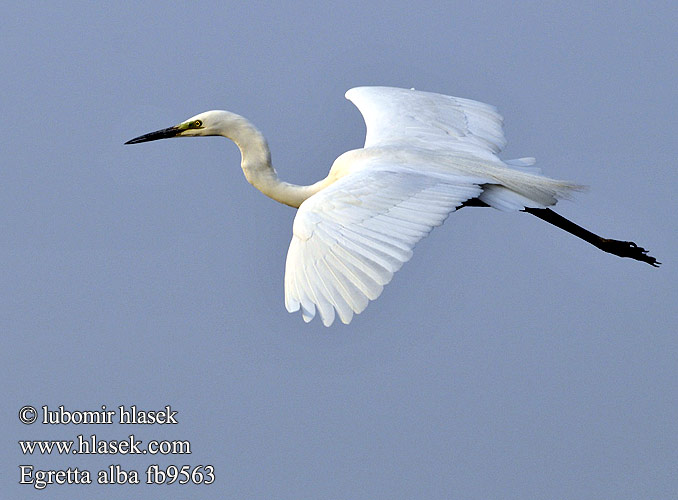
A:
[204,124]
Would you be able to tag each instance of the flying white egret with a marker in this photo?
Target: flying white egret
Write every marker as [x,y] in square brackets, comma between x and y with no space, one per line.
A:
[425,156]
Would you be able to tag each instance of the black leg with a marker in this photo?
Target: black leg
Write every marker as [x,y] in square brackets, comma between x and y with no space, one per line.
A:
[621,248]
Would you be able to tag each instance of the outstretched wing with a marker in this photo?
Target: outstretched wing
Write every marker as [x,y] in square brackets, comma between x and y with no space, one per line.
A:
[402,117]
[349,238]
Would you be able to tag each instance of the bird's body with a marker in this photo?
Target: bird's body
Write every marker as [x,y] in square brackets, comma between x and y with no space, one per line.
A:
[425,155]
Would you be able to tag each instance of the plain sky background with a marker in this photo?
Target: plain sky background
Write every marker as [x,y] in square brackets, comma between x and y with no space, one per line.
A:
[506,360]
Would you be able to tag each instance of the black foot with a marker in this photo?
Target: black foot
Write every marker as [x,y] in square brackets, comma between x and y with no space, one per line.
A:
[627,249]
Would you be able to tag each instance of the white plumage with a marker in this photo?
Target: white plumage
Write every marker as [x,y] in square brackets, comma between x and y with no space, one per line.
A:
[425,155]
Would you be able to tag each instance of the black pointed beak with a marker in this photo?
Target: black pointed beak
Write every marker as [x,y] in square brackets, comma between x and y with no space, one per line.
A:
[154,136]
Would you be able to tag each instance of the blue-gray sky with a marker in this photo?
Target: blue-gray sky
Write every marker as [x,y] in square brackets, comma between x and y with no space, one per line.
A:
[506,360]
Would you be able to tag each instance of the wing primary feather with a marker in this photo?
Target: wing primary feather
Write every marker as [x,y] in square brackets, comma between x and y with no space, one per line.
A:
[325,291]
[374,243]
[377,269]
[352,283]
[366,278]
[312,284]
[292,294]
[337,293]
[372,254]
[306,295]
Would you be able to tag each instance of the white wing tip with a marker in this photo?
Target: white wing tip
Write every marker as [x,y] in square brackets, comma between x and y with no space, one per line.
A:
[308,313]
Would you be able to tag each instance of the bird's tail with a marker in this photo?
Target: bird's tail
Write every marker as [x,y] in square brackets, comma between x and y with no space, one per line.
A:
[523,186]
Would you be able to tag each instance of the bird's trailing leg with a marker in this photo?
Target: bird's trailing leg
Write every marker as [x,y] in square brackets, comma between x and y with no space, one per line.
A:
[616,247]
[621,248]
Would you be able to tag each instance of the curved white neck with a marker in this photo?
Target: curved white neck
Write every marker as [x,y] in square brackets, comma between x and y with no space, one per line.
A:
[257,167]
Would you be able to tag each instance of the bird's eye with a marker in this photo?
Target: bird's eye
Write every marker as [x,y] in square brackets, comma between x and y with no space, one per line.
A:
[197,124]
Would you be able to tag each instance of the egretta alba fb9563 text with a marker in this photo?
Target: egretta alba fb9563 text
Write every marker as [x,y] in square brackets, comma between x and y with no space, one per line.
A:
[425,156]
